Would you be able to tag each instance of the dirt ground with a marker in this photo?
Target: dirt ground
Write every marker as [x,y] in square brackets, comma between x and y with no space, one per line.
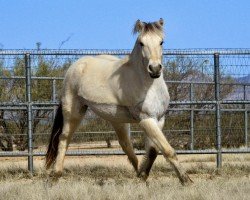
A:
[112,177]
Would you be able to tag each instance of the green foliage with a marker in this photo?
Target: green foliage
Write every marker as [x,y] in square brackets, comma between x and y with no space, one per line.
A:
[3,83]
[14,90]
[42,89]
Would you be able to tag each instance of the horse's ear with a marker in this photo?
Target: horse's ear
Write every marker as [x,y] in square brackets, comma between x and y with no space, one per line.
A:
[138,27]
[161,22]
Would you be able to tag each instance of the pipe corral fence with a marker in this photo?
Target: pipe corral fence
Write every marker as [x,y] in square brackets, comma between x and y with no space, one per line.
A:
[208,112]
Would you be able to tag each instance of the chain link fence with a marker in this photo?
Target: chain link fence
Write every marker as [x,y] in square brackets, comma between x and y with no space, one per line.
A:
[208,113]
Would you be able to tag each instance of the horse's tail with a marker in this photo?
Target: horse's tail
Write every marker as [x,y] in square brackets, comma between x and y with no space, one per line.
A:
[54,138]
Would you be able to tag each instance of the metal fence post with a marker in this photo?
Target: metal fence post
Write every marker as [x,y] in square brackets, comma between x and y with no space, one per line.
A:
[245,118]
[29,112]
[54,96]
[217,109]
[192,117]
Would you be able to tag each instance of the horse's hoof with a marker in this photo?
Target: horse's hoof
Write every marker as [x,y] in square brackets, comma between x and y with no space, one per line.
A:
[51,180]
[54,176]
[142,175]
[185,180]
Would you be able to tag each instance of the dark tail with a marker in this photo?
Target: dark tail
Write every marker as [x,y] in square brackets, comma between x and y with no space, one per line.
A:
[54,138]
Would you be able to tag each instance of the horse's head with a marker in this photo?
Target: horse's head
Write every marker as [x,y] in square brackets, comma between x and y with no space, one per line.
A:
[149,45]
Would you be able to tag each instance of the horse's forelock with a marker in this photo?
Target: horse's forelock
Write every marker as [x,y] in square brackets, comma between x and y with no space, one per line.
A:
[151,27]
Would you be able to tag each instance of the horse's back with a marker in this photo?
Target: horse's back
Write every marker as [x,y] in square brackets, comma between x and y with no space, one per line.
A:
[90,78]
[108,57]
[92,66]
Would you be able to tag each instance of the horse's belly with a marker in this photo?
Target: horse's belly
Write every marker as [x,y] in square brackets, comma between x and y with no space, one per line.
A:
[113,113]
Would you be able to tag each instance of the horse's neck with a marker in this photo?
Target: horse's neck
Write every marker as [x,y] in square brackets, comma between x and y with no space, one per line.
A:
[135,58]
[135,61]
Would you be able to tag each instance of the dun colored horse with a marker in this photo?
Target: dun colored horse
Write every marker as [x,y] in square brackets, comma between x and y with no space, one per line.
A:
[121,91]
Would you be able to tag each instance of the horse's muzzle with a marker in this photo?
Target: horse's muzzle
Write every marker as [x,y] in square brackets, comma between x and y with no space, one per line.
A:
[155,71]
[155,75]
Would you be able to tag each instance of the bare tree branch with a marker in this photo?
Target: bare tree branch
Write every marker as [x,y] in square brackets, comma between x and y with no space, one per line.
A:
[66,40]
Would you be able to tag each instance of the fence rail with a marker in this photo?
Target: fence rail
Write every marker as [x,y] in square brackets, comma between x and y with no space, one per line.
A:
[208,113]
[199,51]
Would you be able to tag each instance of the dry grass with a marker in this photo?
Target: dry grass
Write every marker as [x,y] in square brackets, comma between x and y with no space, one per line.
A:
[111,177]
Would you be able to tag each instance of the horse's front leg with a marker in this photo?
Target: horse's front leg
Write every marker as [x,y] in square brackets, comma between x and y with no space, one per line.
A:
[122,131]
[155,134]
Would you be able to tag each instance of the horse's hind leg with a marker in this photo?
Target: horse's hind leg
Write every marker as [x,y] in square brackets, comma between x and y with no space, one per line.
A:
[150,156]
[155,134]
[72,116]
[122,131]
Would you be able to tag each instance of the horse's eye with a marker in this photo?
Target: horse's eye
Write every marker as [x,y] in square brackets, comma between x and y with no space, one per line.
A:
[161,43]
[141,44]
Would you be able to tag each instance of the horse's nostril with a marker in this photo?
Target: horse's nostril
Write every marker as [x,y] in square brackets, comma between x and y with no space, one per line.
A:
[150,68]
[155,68]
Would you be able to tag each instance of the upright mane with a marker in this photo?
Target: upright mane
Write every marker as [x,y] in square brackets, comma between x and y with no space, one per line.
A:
[149,27]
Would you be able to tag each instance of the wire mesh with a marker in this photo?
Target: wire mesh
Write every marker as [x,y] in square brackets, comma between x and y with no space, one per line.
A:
[189,75]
